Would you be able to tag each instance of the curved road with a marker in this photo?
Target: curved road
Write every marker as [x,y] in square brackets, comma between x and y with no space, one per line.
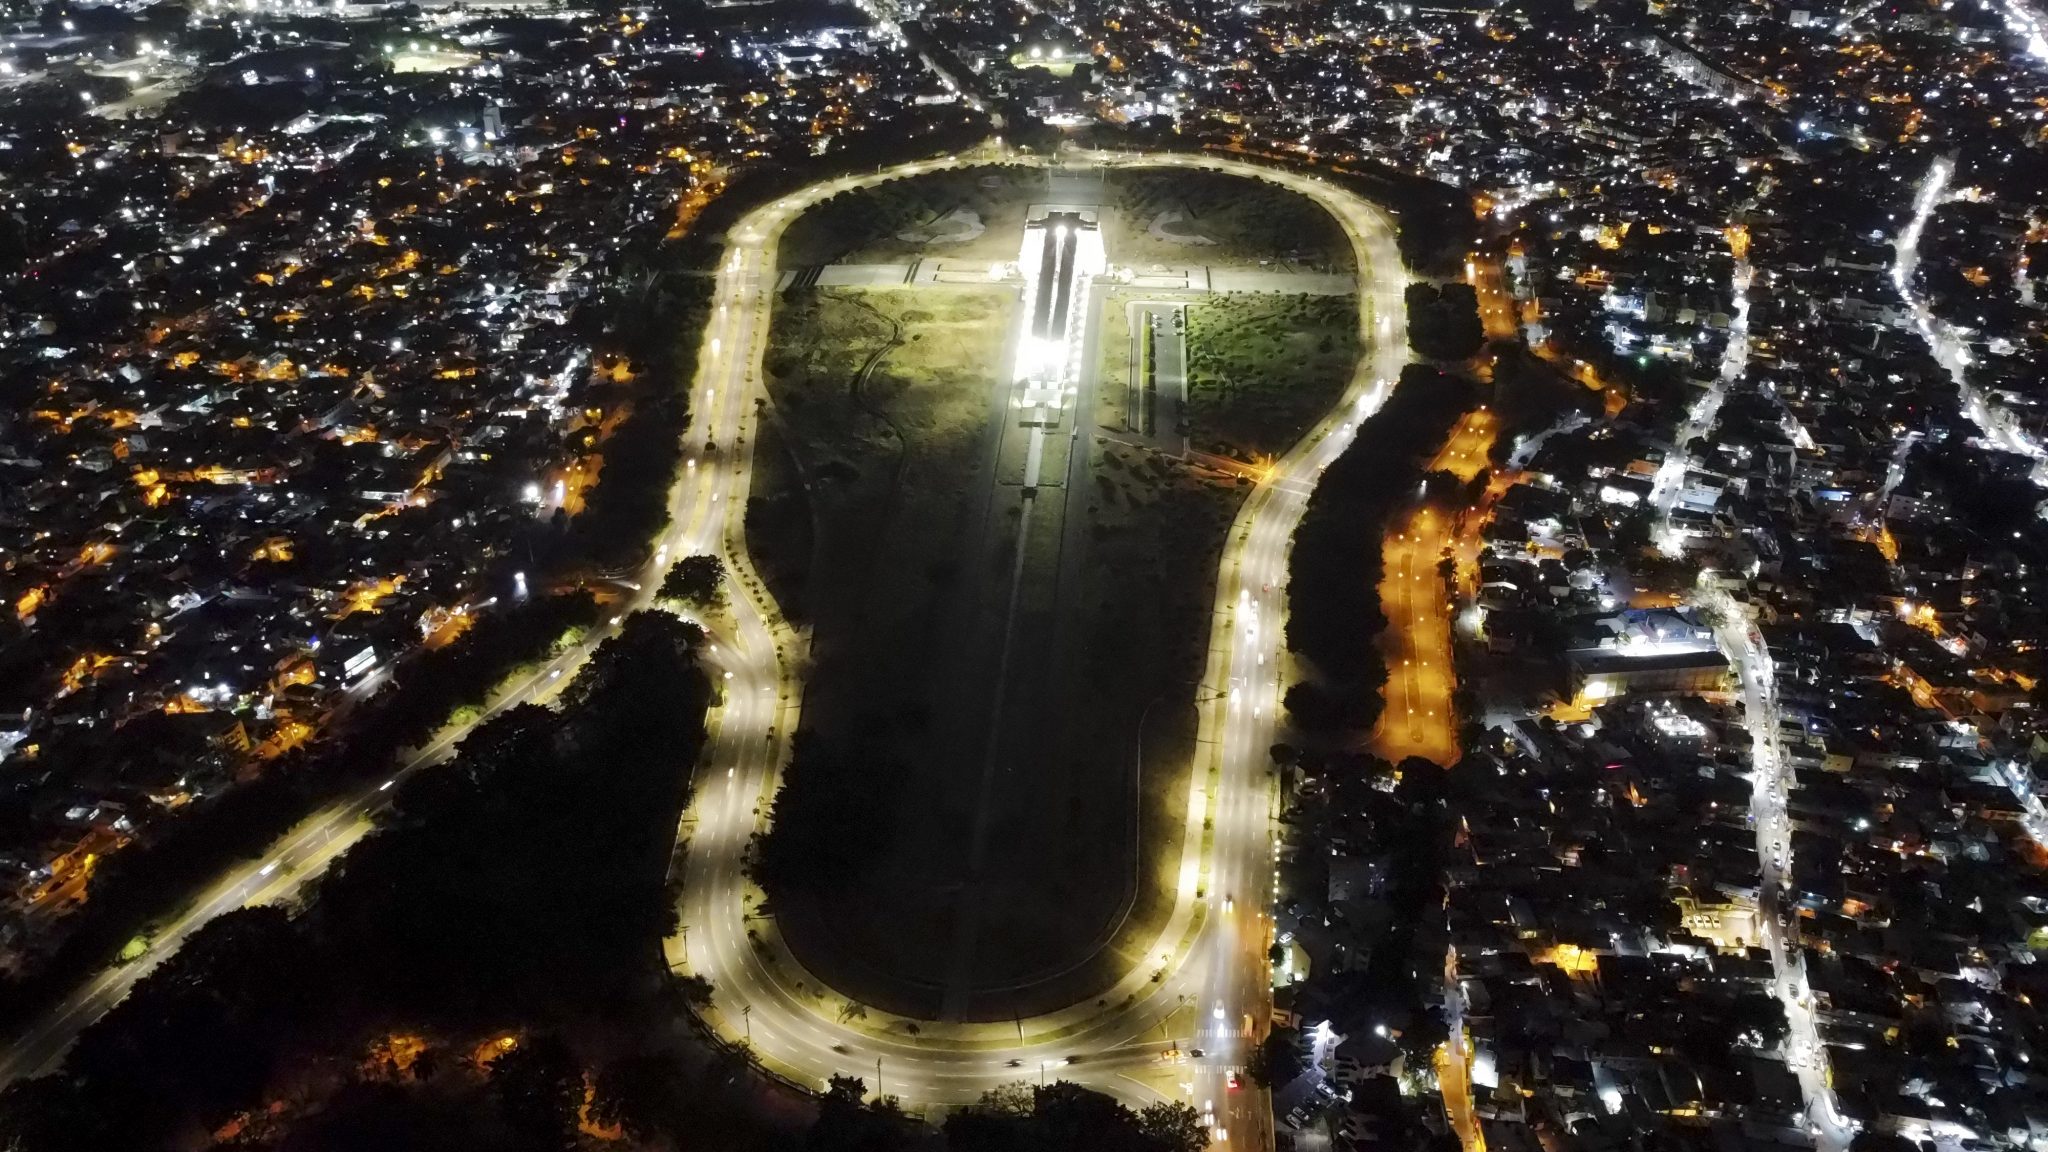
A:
[696,506]
[1208,989]
[1205,985]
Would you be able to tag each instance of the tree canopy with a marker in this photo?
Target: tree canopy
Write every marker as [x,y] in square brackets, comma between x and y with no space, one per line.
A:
[519,883]
[694,579]
[1063,1116]
[1334,569]
[1443,322]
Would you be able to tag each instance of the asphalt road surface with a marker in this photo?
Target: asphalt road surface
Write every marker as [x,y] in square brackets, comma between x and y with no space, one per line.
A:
[1771,783]
[696,506]
[1206,984]
[1420,718]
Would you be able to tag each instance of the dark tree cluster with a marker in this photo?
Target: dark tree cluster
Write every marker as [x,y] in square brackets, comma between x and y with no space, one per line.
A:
[1397,817]
[831,819]
[519,886]
[1437,227]
[1443,322]
[659,326]
[694,580]
[530,875]
[1062,1116]
[1333,604]
[1529,395]
[147,880]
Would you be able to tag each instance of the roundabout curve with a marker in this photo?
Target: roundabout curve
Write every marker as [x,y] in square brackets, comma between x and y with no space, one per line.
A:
[1204,984]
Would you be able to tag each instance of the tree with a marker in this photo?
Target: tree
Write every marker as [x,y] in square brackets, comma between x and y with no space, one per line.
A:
[694,580]
[198,1038]
[1634,533]
[1063,1116]
[1012,1099]
[1069,1116]
[844,1092]
[1174,1126]
[845,1124]
[644,1094]
[539,1089]
[1312,708]
[384,1115]
[695,990]
[1443,323]
[1279,1059]
[52,1114]
[1764,1016]
[1334,570]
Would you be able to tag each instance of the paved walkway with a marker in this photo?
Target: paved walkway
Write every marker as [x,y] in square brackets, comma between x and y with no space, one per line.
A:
[929,273]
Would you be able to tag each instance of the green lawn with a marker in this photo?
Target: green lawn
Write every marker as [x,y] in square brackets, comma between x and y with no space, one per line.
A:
[1262,369]
[887,223]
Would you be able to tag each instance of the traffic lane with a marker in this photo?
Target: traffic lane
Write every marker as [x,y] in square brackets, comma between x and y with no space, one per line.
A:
[1807,1057]
[279,873]
[822,1054]
[1260,707]
[282,871]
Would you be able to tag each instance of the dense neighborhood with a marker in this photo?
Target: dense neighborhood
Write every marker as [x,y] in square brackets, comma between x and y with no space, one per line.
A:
[335,338]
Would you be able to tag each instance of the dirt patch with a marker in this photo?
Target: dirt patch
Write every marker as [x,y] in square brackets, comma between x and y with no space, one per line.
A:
[1170,227]
[959,227]
[1212,218]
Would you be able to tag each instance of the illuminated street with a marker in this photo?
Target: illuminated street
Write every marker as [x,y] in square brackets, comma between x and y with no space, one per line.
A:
[1214,995]
[1420,718]
[1642,740]
[1454,1064]
[1699,418]
[305,853]
[2002,429]
[1771,786]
